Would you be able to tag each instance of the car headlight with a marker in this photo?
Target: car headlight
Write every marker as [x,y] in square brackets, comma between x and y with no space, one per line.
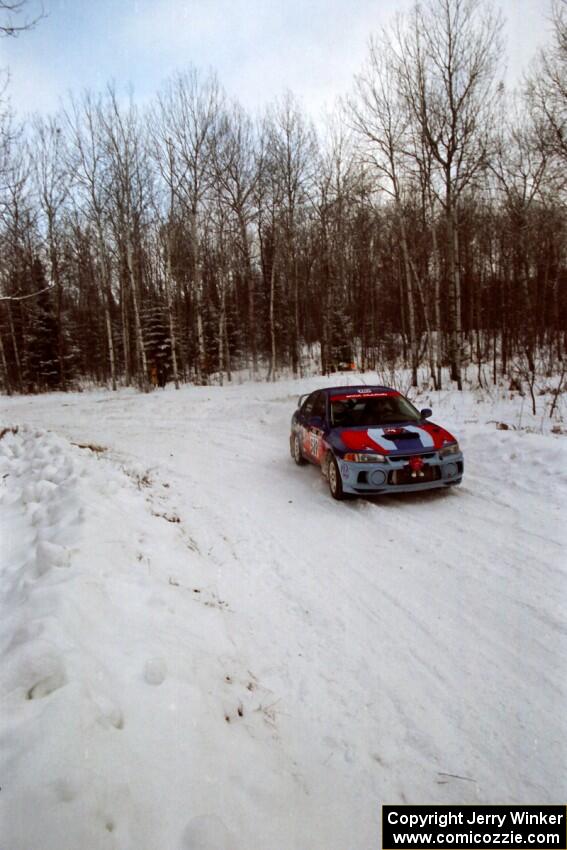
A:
[446,451]
[364,458]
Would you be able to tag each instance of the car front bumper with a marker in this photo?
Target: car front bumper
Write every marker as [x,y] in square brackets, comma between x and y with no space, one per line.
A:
[395,476]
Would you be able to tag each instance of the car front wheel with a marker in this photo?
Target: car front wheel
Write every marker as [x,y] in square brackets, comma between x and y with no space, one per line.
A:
[335,480]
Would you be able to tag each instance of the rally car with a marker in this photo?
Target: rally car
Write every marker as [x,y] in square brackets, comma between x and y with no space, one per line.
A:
[371,440]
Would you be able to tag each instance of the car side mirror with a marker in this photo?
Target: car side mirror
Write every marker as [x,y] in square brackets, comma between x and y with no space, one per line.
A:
[426,413]
[315,422]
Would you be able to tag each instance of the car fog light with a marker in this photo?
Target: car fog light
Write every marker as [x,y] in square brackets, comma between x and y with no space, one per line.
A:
[378,477]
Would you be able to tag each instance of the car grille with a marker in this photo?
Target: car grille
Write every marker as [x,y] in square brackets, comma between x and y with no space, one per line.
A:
[405,458]
[404,476]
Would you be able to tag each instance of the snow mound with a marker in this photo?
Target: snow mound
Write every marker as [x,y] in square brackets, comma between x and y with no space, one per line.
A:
[126,705]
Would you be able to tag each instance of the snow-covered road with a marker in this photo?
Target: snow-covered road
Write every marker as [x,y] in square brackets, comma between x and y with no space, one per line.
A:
[202,650]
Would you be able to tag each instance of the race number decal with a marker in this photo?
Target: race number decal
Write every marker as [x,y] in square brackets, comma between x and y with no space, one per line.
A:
[314,444]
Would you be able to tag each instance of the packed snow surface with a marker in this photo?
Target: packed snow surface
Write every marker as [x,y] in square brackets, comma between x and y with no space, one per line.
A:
[201,650]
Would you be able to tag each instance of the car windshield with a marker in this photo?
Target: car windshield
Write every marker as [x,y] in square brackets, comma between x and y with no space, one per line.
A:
[385,410]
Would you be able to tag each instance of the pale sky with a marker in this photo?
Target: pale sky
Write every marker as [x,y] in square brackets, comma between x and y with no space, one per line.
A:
[259,48]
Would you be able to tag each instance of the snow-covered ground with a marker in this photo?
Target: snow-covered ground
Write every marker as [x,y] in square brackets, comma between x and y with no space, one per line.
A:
[201,650]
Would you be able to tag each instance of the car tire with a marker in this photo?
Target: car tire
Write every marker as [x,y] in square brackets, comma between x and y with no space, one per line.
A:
[335,480]
[296,452]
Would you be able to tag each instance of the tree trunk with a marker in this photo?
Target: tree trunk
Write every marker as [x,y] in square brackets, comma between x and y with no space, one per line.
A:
[220,338]
[110,342]
[170,319]
[455,290]
[56,278]
[272,370]
[16,350]
[125,333]
[422,301]
[249,282]
[437,302]
[296,353]
[410,295]
[227,351]
[197,282]
[5,367]
[143,376]
[327,311]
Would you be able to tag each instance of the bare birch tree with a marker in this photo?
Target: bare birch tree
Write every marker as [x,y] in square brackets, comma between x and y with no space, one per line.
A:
[379,115]
[53,183]
[292,151]
[236,176]
[185,125]
[91,176]
[448,53]
[130,177]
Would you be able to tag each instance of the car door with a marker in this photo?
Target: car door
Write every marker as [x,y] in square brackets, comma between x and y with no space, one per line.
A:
[303,416]
[315,426]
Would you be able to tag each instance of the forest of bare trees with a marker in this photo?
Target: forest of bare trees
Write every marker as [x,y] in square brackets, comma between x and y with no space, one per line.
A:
[425,225]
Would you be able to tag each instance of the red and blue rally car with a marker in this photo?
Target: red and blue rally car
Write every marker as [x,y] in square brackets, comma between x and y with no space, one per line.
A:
[370,440]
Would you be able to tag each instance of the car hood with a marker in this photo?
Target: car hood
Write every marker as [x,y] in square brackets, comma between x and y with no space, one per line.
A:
[389,439]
